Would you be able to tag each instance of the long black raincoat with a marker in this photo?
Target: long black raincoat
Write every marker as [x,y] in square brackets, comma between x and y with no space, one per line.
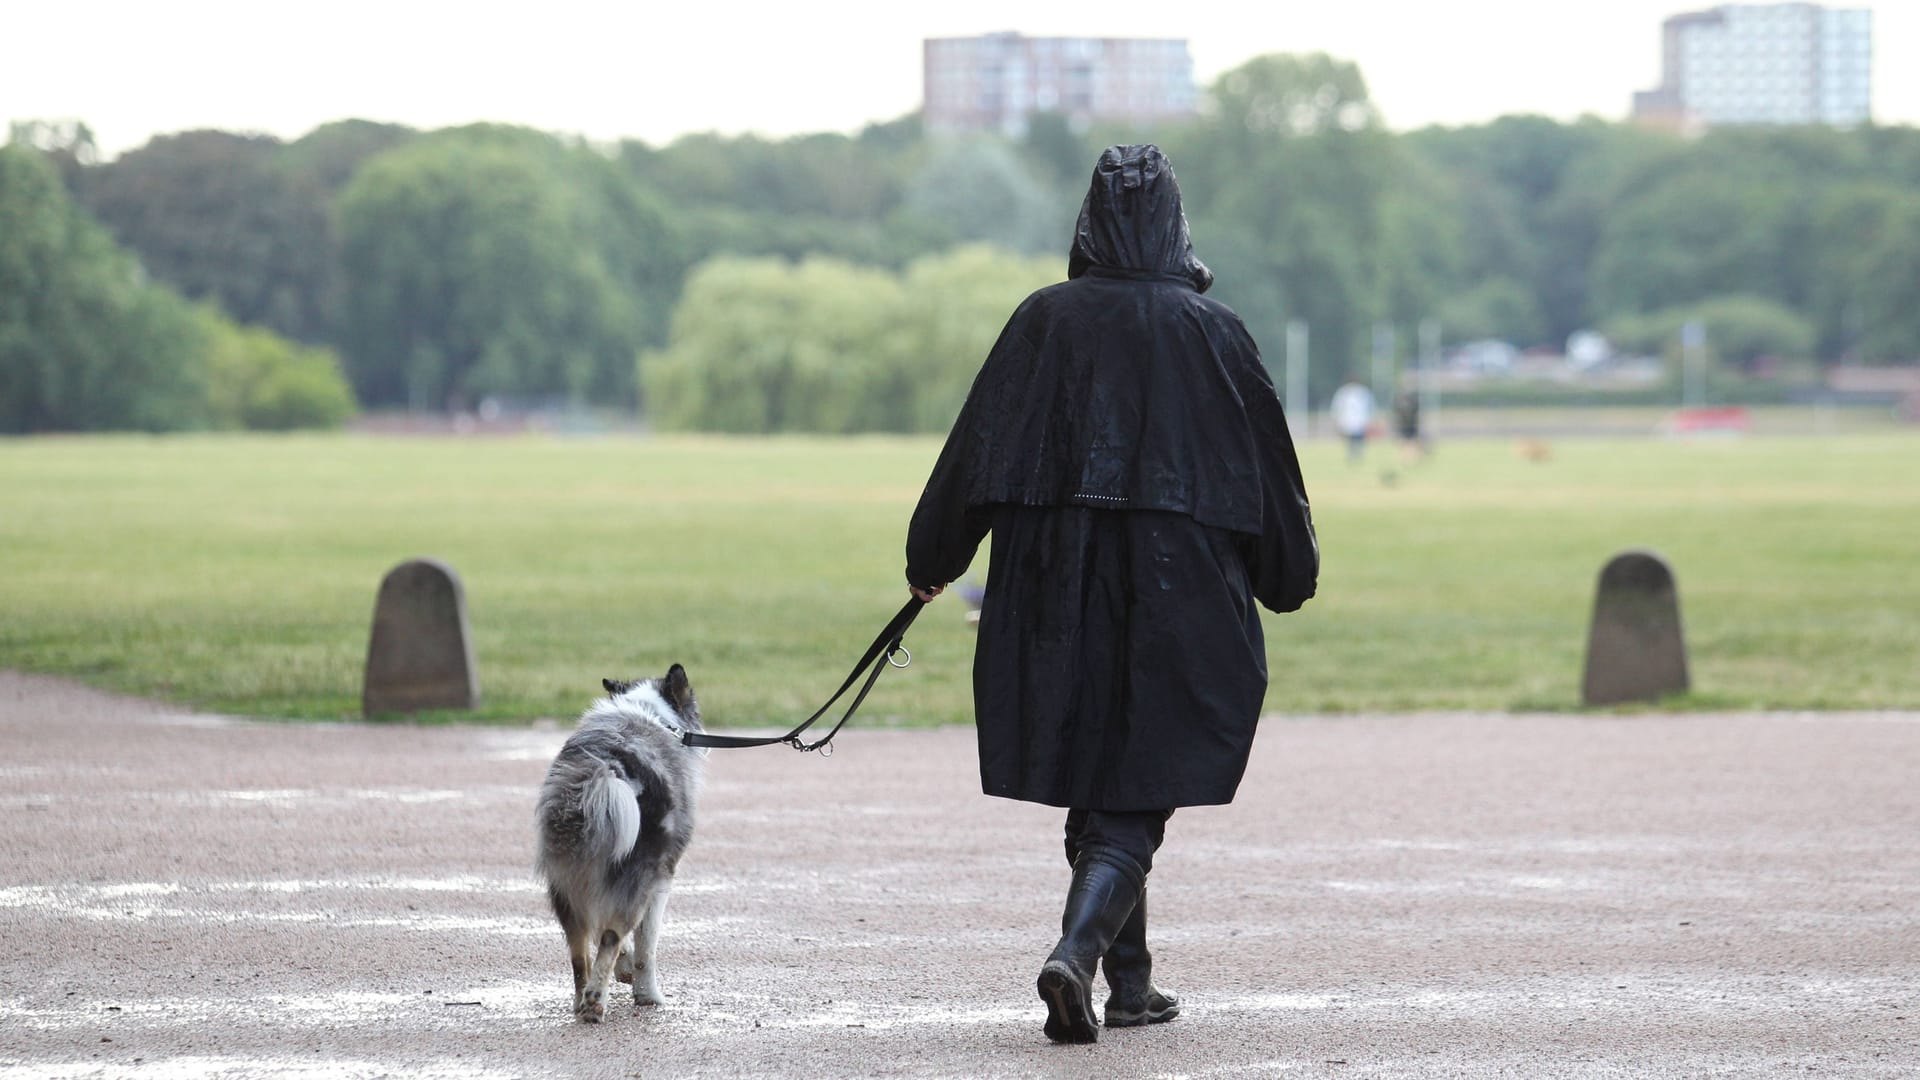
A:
[1124,445]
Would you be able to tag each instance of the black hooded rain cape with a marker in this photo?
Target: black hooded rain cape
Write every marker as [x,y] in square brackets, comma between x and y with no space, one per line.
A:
[1124,445]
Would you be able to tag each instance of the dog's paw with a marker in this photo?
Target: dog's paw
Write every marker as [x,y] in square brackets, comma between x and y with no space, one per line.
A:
[647,997]
[592,1007]
[623,967]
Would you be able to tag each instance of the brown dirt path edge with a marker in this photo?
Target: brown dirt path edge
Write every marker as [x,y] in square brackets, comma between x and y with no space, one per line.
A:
[1441,895]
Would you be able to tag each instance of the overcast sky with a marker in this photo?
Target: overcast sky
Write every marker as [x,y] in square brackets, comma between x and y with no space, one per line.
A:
[655,69]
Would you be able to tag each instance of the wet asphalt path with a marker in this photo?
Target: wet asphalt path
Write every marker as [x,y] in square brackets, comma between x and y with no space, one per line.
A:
[1396,896]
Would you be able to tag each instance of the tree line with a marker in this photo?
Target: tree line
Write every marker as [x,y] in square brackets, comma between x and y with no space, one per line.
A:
[852,282]
[88,341]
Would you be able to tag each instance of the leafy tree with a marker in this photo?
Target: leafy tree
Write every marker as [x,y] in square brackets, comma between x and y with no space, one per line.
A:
[262,381]
[812,195]
[1569,227]
[1700,234]
[759,345]
[1532,195]
[708,231]
[762,345]
[1422,246]
[893,138]
[1859,310]
[978,191]
[68,144]
[1282,94]
[1498,307]
[1739,329]
[1057,153]
[815,176]
[1884,283]
[498,261]
[214,216]
[1288,184]
[954,305]
[330,154]
[86,343]
[1891,155]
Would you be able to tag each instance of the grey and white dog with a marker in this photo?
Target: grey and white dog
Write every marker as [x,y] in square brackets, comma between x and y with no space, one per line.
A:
[615,815]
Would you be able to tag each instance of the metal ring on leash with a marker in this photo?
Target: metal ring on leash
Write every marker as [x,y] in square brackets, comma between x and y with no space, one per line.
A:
[902,650]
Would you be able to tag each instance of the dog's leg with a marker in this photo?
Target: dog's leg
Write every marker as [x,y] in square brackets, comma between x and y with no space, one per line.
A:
[593,999]
[646,969]
[623,964]
[577,951]
[576,932]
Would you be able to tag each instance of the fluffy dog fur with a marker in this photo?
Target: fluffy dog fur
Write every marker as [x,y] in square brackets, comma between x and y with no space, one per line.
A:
[614,817]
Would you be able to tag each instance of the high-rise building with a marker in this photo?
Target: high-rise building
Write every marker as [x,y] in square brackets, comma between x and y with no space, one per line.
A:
[996,82]
[1763,64]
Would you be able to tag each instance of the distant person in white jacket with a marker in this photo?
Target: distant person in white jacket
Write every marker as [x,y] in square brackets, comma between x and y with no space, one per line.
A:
[1352,411]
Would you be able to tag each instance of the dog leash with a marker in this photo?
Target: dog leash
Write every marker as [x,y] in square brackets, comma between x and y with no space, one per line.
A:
[884,646]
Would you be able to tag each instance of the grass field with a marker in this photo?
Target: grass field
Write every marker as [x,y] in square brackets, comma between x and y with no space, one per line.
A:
[238,573]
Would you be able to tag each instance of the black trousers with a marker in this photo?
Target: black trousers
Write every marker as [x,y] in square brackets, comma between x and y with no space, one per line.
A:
[1136,832]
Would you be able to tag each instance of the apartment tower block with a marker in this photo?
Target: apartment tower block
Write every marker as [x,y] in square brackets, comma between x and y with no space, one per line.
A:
[997,82]
[1793,63]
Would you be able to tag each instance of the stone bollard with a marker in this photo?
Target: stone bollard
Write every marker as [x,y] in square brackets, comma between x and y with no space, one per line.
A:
[1635,650]
[421,653]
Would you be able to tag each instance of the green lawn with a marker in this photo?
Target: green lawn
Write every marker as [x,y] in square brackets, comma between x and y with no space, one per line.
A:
[238,573]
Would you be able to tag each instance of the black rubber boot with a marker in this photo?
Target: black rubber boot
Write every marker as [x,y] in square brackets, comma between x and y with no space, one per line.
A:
[1107,884]
[1133,999]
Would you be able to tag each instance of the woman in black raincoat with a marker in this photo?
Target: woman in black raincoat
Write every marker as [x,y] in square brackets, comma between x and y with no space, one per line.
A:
[1124,445]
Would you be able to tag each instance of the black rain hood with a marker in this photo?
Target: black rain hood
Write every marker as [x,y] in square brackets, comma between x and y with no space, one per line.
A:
[1123,388]
[1131,220]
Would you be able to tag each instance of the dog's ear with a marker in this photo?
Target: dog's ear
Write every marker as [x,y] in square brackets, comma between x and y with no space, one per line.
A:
[615,687]
[679,691]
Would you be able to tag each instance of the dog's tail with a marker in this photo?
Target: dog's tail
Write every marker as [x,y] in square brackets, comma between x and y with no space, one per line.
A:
[611,815]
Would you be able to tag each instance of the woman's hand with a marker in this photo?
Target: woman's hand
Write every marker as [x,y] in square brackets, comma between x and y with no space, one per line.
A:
[926,596]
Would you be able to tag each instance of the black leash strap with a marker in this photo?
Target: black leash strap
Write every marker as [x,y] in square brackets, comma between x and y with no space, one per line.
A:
[883,648]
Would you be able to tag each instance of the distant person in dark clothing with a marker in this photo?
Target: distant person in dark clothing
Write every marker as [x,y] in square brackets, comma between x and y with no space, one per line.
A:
[1124,445]
[1406,424]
